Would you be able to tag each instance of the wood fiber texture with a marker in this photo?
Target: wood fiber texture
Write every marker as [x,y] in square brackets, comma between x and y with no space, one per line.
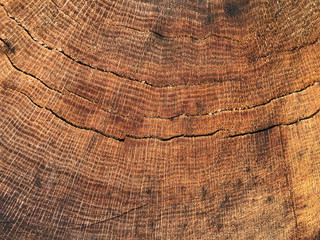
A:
[153,119]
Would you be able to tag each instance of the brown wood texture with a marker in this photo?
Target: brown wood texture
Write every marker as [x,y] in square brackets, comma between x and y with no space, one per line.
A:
[159,119]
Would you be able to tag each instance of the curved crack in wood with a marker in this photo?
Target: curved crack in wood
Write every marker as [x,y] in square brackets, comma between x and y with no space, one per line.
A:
[165,139]
[110,136]
[229,185]
[67,90]
[159,117]
[31,75]
[293,49]
[240,108]
[276,125]
[105,70]
[296,48]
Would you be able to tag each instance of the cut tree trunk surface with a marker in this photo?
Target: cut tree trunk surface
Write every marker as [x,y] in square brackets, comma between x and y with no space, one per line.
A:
[159,119]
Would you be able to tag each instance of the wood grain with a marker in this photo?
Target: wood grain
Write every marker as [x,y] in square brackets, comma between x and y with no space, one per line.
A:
[159,119]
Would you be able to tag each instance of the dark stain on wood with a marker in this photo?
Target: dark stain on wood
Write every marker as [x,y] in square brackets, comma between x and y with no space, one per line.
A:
[225,201]
[204,192]
[38,183]
[8,48]
[219,226]
[231,9]
[234,8]
[152,226]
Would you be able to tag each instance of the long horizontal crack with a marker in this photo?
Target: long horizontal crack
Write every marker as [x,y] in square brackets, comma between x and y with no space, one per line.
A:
[169,118]
[179,136]
[170,138]
[113,137]
[240,108]
[109,71]
[141,81]
[273,126]
[128,77]
[159,117]
[68,122]
[137,80]
[296,48]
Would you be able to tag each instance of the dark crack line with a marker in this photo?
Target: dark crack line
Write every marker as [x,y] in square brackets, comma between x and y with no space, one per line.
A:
[126,77]
[288,183]
[109,71]
[113,137]
[110,218]
[31,75]
[134,79]
[179,136]
[170,138]
[169,118]
[158,117]
[71,92]
[54,3]
[273,126]
[100,69]
[293,49]
[237,109]
[156,86]
[66,121]
[23,27]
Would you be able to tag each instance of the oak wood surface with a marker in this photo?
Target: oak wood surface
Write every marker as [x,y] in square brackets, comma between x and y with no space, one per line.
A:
[159,119]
